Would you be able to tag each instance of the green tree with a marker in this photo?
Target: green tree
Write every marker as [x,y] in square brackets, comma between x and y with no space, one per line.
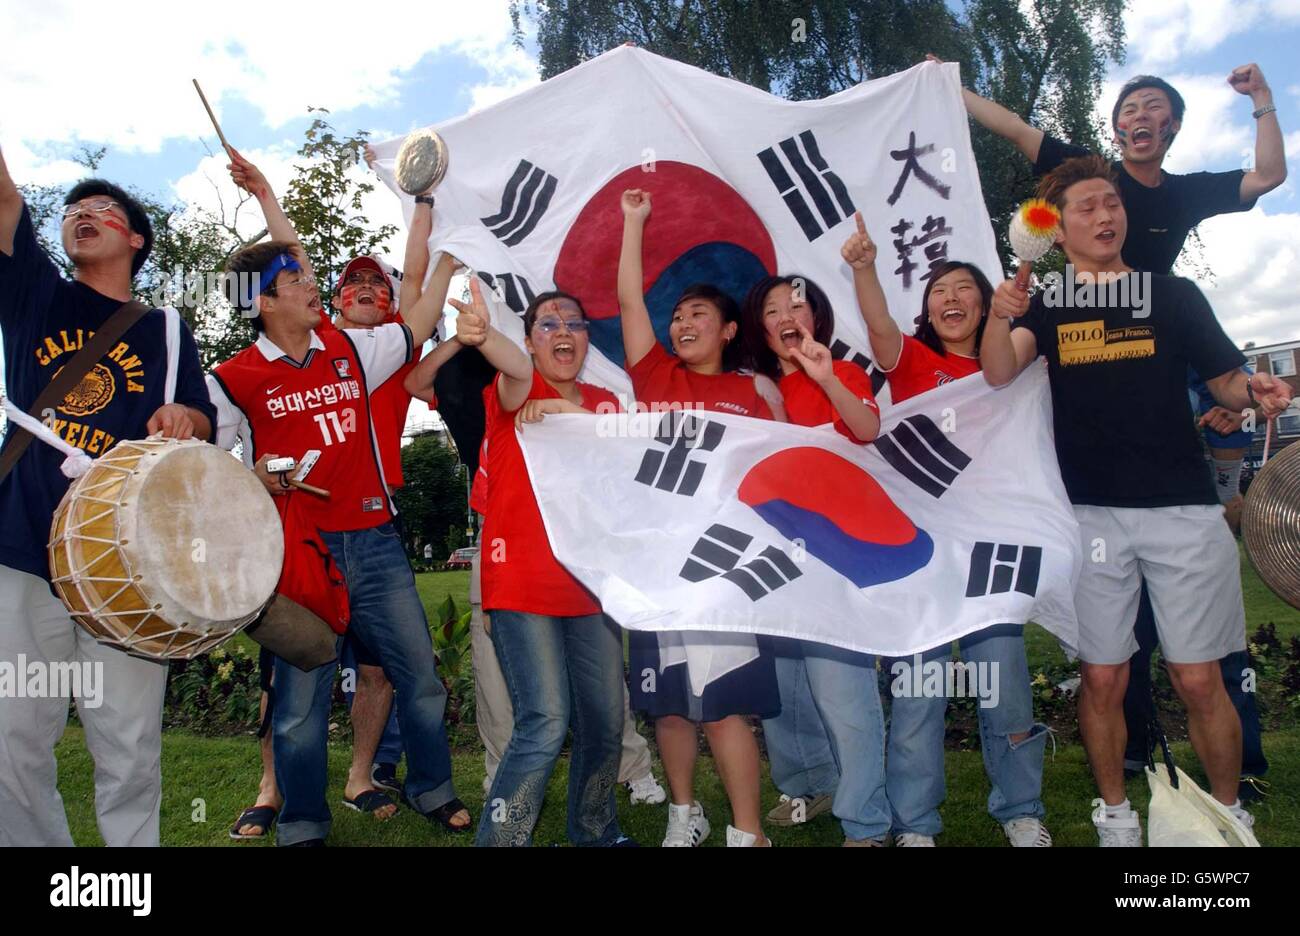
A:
[324,200]
[433,501]
[1044,60]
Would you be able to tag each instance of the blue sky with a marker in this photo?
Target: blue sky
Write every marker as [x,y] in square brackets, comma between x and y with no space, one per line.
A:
[423,62]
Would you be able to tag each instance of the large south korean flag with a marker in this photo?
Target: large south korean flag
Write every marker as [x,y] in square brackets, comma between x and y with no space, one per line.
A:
[954,519]
[742,183]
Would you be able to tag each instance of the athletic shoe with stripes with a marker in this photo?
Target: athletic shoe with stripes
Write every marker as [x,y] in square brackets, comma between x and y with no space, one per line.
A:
[1027,832]
[687,827]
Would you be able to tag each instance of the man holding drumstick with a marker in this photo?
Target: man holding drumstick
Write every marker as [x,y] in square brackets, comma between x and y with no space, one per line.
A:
[303,386]
[45,320]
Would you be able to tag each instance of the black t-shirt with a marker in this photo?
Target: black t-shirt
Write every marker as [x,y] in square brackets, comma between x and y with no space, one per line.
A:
[1125,435]
[45,319]
[1159,218]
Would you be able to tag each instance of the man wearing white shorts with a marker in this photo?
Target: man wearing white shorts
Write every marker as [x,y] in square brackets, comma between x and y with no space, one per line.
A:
[1131,462]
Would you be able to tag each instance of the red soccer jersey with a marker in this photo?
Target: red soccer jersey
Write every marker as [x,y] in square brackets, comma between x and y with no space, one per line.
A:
[278,405]
[520,573]
[660,377]
[389,404]
[388,407]
[807,404]
[920,369]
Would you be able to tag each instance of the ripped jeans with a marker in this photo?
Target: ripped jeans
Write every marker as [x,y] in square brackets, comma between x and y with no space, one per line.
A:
[914,767]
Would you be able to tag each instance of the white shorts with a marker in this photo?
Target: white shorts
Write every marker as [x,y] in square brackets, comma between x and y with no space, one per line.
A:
[1189,560]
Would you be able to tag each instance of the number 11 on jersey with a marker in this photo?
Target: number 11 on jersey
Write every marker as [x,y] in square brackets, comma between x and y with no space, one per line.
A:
[332,429]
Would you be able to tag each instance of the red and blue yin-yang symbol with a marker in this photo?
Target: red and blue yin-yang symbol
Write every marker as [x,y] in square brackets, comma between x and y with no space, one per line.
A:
[842,515]
[700,231]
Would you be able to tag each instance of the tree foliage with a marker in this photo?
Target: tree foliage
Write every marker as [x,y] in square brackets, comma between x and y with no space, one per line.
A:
[1045,59]
[433,501]
[324,200]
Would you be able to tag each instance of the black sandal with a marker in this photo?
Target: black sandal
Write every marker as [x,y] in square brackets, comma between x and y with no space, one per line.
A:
[442,815]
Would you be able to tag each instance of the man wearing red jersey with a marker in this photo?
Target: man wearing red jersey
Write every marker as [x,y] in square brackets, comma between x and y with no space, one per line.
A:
[303,387]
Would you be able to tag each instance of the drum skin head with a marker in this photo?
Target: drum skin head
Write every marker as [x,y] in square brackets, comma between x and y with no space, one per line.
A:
[211,543]
[1270,524]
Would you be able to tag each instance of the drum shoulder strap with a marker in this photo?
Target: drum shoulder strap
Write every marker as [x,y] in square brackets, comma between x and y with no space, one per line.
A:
[67,379]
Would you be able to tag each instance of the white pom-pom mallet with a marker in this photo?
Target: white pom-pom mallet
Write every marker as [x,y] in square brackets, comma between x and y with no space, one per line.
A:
[1033,232]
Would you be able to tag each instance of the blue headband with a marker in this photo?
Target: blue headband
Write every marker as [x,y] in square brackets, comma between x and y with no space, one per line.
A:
[282,261]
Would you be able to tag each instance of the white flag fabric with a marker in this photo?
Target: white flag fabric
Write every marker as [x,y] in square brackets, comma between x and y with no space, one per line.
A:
[742,184]
[954,519]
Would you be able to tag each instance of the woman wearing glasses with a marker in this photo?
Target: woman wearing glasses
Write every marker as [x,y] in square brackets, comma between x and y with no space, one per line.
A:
[562,659]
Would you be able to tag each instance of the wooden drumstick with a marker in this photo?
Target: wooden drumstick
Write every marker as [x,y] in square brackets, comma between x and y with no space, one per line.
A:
[211,116]
[310,489]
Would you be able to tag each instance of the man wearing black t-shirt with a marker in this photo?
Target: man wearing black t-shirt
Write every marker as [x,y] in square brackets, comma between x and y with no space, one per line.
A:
[1162,209]
[1131,462]
[45,319]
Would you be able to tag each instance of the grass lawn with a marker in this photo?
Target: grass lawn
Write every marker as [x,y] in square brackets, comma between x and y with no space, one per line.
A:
[208,780]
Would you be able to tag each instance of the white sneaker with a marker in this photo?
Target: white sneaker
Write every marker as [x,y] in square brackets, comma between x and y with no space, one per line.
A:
[1027,832]
[913,840]
[738,839]
[646,790]
[1244,817]
[1121,831]
[687,827]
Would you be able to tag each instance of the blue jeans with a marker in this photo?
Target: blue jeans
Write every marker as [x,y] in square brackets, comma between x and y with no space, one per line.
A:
[830,735]
[390,744]
[388,616]
[914,774]
[559,670]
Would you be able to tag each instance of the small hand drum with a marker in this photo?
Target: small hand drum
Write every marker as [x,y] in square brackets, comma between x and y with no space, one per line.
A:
[166,548]
[421,162]
[1270,524]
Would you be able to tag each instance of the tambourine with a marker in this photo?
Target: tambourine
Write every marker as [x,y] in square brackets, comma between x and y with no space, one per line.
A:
[421,162]
[1270,524]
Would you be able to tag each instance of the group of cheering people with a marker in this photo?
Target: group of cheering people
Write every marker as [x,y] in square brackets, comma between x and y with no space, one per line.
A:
[548,664]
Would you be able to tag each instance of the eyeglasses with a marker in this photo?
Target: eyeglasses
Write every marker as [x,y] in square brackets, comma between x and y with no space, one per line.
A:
[307,281]
[549,326]
[98,205]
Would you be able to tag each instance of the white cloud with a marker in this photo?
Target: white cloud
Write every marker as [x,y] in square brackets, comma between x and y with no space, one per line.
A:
[1161,32]
[100,72]
[1253,257]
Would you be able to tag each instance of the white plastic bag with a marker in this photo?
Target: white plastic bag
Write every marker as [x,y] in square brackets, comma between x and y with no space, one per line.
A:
[1189,817]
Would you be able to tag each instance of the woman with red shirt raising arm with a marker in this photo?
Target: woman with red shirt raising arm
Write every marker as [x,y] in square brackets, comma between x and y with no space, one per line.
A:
[559,654]
[703,327]
[829,740]
[954,309]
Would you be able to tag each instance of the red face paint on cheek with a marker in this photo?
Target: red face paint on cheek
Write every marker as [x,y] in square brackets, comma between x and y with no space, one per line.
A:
[117,226]
[348,295]
[382,302]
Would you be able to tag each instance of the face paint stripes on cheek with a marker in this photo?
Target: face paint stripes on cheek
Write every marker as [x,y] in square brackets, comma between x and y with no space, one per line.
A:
[117,226]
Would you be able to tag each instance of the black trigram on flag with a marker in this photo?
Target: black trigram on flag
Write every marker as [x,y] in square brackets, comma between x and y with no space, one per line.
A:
[674,471]
[816,181]
[527,196]
[920,452]
[840,350]
[514,290]
[719,550]
[1011,567]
